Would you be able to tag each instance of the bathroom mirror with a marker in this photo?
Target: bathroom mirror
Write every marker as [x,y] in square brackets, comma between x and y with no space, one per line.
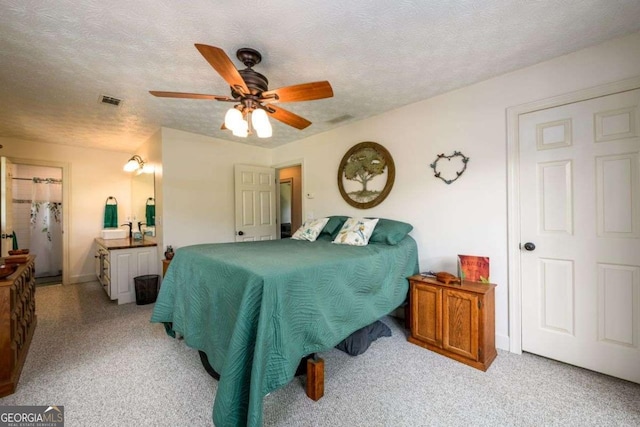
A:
[143,202]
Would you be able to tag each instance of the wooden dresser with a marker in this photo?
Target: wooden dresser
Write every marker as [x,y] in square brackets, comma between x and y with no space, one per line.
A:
[456,320]
[17,323]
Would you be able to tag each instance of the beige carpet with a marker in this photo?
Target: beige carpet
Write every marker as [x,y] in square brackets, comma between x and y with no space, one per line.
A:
[109,366]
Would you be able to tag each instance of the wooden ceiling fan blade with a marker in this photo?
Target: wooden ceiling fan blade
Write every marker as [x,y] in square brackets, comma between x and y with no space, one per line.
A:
[162,94]
[220,61]
[301,92]
[287,117]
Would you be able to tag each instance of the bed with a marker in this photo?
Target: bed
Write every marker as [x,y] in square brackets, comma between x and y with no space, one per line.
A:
[257,308]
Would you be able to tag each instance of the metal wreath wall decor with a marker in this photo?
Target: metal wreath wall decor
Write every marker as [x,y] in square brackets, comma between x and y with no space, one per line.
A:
[452,170]
[366,175]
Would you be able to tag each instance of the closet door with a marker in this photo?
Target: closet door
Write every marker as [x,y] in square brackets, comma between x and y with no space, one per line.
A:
[580,233]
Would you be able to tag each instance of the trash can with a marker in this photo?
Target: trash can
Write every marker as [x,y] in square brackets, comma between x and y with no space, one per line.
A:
[146,288]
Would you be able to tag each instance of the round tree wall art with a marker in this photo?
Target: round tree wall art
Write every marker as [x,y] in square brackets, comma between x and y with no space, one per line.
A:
[366,175]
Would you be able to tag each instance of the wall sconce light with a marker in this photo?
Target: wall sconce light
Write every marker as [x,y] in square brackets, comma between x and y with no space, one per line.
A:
[136,164]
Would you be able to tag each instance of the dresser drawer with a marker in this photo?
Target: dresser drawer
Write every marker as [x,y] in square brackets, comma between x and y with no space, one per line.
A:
[17,300]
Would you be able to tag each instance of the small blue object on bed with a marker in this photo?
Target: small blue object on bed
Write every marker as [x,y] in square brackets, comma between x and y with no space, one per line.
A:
[257,308]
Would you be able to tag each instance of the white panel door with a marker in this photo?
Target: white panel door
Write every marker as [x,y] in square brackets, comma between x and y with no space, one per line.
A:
[580,208]
[6,206]
[255,194]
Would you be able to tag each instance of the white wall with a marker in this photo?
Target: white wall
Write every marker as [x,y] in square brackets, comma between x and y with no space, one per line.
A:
[94,174]
[198,186]
[468,216]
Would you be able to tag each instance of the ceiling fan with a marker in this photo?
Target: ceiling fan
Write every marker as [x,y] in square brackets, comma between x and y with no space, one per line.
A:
[250,91]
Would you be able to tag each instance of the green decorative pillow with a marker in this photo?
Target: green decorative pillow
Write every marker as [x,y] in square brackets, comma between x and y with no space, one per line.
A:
[310,230]
[334,225]
[390,231]
[356,232]
[325,237]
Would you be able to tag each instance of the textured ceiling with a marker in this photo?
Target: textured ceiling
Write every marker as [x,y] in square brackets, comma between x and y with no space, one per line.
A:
[57,57]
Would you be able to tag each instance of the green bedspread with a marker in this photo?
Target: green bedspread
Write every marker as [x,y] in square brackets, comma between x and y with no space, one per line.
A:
[257,308]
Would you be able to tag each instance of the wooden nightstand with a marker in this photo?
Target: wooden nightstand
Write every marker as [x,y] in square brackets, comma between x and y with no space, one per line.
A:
[165,265]
[457,321]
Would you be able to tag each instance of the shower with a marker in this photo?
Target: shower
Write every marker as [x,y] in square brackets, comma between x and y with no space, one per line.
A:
[37,217]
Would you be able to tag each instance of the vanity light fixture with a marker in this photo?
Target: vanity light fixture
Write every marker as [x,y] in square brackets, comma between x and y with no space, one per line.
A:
[135,163]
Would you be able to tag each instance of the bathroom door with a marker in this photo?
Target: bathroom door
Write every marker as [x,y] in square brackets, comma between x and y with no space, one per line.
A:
[6,206]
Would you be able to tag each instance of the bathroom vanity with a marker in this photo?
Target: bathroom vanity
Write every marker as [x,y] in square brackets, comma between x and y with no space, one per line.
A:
[118,261]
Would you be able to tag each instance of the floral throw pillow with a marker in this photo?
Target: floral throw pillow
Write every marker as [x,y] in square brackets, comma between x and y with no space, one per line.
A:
[310,230]
[356,231]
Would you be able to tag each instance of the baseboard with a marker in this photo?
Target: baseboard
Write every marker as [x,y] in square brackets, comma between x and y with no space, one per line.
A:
[502,342]
[82,278]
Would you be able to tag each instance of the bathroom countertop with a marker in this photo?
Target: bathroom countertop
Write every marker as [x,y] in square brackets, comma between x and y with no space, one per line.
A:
[126,243]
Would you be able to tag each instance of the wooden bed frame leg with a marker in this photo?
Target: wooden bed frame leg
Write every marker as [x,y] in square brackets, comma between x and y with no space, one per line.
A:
[315,378]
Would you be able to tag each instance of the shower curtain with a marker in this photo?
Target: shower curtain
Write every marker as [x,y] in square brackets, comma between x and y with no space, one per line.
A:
[46,226]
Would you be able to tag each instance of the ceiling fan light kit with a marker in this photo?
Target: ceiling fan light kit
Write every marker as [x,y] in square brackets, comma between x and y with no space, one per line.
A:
[243,126]
[259,119]
[250,91]
[261,124]
[232,118]
[241,129]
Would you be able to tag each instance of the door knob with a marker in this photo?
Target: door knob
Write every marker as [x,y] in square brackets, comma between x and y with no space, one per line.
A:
[240,233]
[529,246]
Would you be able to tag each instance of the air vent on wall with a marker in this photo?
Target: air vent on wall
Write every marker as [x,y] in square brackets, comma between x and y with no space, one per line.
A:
[110,100]
[340,119]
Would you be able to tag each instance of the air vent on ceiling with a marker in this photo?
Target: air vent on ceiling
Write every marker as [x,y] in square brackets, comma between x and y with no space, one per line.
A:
[340,119]
[110,100]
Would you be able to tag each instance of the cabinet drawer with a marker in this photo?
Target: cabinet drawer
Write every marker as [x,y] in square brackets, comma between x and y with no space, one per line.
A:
[14,327]
[106,284]
[13,298]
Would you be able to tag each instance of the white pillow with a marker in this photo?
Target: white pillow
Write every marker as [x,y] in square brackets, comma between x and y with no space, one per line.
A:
[356,231]
[310,230]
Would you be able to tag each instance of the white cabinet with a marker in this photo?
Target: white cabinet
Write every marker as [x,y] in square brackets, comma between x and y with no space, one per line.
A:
[116,268]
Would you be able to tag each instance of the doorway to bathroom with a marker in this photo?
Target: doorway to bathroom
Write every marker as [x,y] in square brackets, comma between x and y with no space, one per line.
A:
[290,200]
[36,205]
